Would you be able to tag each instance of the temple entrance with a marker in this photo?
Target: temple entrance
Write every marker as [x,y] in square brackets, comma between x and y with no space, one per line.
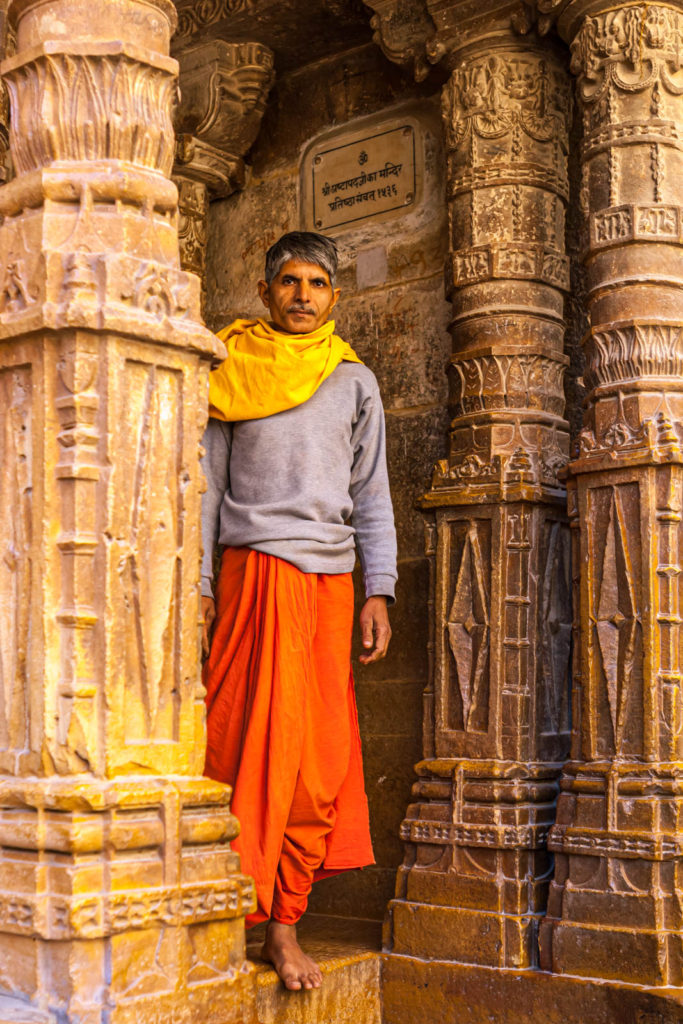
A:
[531,858]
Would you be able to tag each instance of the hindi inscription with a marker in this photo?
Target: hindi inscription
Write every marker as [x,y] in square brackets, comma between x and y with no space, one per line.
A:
[362,178]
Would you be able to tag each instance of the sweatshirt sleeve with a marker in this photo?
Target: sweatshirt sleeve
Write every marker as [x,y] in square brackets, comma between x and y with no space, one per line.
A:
[373,515]
[216,466]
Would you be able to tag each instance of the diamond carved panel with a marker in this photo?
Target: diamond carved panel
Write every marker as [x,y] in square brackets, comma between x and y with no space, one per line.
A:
[468,626]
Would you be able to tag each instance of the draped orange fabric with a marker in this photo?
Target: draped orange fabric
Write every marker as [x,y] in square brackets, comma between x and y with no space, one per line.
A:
[283,729]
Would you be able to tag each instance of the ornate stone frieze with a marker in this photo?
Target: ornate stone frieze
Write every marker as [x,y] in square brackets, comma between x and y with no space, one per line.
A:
[500,380]
[194,15]
[631,47]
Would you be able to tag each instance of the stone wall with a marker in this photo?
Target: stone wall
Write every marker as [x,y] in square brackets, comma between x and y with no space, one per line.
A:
[393,310]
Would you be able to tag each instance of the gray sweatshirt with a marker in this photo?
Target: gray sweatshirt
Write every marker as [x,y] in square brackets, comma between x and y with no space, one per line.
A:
[302,484]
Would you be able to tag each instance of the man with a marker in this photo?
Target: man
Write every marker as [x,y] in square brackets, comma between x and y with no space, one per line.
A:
[296,469]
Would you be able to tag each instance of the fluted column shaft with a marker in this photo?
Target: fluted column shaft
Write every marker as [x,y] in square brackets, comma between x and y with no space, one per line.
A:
[614,910]
[119,895]
[497,711]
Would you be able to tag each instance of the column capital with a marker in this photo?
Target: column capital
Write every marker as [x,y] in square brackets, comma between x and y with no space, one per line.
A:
[614,25]
[419,33]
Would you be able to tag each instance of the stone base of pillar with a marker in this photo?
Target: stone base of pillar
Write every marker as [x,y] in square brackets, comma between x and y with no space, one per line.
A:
[614,909]
[122,898]
[440,993]
[474,887]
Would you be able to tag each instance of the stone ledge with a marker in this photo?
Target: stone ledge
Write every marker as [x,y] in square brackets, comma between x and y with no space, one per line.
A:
[434,992]
[348,952]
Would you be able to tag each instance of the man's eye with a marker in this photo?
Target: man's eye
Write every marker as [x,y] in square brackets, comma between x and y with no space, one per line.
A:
[319,283]
[288,280]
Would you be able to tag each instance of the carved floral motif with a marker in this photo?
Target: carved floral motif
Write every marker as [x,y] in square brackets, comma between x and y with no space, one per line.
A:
[508,381]
[629,352]
[85,108]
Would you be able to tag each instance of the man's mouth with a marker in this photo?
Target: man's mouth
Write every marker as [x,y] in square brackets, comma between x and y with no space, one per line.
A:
[299,309]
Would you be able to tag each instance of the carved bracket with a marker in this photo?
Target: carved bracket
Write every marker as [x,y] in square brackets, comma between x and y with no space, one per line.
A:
[404,30]
[224,88]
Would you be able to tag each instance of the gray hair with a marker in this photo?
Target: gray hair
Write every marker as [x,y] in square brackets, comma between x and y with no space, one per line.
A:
[305,246]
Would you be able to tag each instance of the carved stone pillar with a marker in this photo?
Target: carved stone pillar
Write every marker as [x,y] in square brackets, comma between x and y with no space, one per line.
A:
[474,883]
[224,88]
[615,907]
[119,895]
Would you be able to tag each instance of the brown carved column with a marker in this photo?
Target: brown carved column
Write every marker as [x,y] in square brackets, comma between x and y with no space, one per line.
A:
[119,895]
[474,883]
[224,87]
[614,910]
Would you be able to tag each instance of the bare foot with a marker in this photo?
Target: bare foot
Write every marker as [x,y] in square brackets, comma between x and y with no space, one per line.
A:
[283,951]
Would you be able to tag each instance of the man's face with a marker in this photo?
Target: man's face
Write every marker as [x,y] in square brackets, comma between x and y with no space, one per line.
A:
[300,299]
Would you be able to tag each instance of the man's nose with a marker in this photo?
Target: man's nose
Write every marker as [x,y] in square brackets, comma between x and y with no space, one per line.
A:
[303,291]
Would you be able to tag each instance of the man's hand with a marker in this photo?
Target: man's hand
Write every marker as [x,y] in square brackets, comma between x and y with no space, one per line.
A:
[374,624]
[208,615]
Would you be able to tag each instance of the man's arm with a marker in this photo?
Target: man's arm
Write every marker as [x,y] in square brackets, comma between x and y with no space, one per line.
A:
[215,463]
[373,521]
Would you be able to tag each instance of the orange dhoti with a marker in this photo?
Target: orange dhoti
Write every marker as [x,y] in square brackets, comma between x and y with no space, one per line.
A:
[283,728]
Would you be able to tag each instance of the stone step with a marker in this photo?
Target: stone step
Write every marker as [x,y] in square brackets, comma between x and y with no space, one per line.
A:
[348,951]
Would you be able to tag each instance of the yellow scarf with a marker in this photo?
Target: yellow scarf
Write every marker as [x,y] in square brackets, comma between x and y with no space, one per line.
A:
[268,371]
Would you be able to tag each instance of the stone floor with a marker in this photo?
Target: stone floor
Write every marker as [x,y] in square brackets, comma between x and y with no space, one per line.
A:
[348,952]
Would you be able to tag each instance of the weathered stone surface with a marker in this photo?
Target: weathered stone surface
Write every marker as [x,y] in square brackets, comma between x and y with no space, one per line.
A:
[414,440]
[243,228]
[388,762]
[365,892]
[399,332]
[404,662]
[432,993]
[389,707]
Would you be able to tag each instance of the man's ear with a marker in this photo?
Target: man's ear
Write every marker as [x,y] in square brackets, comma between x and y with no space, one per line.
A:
[263,291]
[335,297]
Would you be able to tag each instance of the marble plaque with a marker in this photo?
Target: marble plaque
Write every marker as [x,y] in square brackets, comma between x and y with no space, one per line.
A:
[353,179]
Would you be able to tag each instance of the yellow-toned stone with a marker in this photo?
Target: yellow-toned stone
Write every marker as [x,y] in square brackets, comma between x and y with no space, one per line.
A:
[118,887]
[349,958]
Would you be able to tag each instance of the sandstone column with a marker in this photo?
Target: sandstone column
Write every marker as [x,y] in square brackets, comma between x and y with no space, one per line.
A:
[615,909]
[224,88]
[119,896]
[474,883]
